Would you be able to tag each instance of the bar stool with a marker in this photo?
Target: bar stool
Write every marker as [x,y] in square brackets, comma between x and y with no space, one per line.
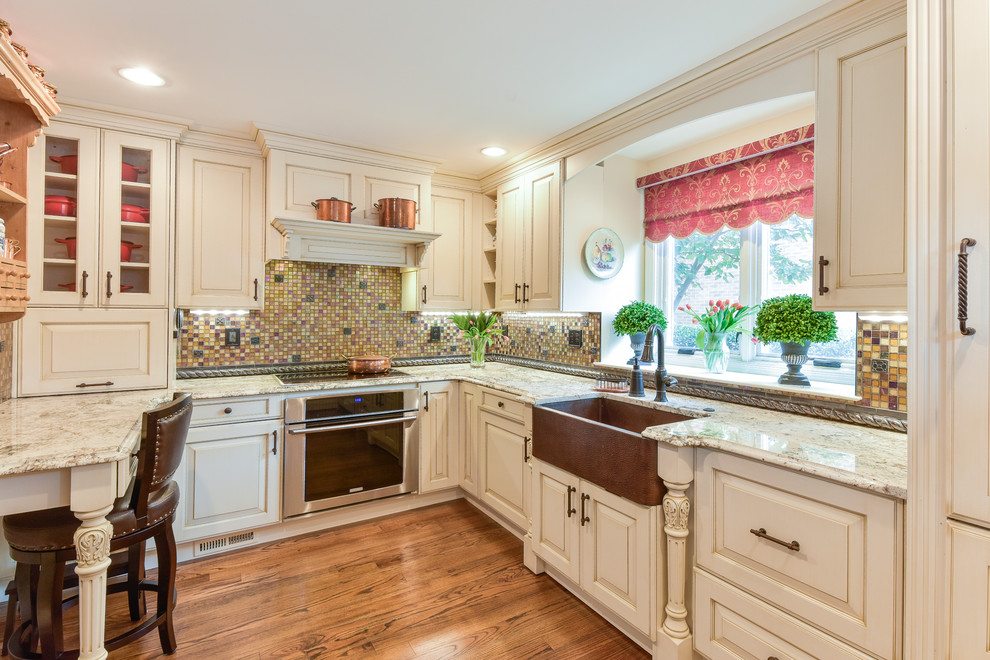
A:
[41,542]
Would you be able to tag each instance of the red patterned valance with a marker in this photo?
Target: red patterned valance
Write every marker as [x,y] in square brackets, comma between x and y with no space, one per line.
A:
[766,181]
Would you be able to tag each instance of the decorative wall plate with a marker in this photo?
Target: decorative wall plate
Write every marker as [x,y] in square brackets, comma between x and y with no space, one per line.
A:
[603,253]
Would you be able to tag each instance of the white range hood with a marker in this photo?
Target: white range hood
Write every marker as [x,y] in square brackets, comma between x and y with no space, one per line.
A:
[343,243]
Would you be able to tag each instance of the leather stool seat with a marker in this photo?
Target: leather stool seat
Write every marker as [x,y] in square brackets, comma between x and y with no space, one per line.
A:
[53,529]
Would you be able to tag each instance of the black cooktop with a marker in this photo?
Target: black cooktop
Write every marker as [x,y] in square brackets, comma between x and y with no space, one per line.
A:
[325,376]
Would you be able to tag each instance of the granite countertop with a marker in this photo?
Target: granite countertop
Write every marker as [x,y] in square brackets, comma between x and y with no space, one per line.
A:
[53,432]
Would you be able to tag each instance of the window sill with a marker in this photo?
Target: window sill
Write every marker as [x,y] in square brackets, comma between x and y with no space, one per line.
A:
[844,393]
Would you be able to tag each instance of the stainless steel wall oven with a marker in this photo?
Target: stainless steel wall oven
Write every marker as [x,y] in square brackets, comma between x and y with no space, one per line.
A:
[347,447]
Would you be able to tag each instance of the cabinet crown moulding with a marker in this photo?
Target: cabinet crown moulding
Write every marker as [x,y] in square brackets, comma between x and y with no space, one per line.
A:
[20,85]
[341,243]
[270,138]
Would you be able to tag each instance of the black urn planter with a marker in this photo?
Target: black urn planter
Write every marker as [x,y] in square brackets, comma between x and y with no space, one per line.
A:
[794,355]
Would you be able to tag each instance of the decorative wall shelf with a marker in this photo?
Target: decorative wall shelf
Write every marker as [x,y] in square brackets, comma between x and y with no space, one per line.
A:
[342,243]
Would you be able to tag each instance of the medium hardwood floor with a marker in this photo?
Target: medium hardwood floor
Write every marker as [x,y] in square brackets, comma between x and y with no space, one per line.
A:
[440,582]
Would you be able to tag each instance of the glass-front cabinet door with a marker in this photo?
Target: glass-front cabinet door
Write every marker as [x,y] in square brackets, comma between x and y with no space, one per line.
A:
[98,230]
[135,211]
[64,216]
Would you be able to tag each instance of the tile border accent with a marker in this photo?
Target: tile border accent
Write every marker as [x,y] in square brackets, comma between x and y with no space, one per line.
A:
[848,413]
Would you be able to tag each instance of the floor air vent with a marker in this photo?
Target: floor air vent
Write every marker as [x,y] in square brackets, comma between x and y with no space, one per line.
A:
[219,544]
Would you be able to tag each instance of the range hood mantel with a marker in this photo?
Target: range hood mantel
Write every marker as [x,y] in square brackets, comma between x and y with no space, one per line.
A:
[342,243]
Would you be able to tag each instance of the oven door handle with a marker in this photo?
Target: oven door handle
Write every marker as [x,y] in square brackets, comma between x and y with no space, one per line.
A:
[355,425]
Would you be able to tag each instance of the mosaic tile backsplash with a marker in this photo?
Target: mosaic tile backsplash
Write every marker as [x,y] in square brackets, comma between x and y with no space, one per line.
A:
[881,370]
[316,312]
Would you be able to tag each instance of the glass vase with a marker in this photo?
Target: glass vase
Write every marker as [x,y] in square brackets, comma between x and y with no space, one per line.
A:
[716,352]
[478,345]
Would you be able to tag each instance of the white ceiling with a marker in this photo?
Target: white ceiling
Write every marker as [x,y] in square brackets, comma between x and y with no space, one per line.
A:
[433,78]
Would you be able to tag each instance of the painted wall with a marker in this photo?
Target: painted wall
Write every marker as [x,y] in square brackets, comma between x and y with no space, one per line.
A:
[603,195]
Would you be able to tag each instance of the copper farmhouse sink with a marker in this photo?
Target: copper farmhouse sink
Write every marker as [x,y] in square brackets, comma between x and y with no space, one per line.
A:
[600,440]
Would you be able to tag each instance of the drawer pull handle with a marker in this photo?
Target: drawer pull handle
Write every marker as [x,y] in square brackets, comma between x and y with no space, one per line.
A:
[772,657]
[424,294]
[501,405]
[109,290]
[570,509]
[526,442]
[584,518]
[762,533]
[963,274]
[517,294]
[228,410]
[84,291]
[256,288]
[106,384]
[274,443]
[426,404]
[822,289]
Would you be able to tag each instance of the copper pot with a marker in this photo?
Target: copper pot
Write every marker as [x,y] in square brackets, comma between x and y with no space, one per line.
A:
[368,364]
[333,209]
[396,212]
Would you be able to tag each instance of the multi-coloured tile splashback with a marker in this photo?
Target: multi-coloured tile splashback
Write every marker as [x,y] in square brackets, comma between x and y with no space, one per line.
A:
[881,370]
[317,312]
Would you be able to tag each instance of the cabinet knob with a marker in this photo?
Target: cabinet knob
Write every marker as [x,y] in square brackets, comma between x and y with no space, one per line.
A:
[228,410]
[501,405]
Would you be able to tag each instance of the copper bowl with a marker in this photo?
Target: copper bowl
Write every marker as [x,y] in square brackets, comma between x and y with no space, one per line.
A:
[368,364]
[396,212]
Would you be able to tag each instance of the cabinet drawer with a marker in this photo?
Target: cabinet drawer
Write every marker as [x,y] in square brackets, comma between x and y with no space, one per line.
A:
[730,625]
[222,411]
[503,405]
[843,572]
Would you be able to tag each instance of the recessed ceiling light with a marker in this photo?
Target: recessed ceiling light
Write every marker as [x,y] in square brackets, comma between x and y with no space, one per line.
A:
[493,151]
[142,76]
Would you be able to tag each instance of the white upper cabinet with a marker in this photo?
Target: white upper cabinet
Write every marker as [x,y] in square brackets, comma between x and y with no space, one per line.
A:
[100,218]
[220,230]
[528,241]
[860,219]
[448,280]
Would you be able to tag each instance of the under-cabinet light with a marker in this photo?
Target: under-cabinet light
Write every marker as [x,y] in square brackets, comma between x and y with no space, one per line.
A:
[219,312]
[142,76]
[883,318]
[551,314]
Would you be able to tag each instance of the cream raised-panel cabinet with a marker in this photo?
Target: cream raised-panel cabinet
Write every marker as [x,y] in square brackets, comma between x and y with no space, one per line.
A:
[449,278]
[230,473]
[438,441]
[860,220]
[69,351]
[528,241]
[102,239]
[600,541]
[469,404]
[220,230]
[505,444]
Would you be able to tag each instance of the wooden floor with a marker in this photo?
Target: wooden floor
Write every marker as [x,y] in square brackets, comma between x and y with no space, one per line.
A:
[439,582]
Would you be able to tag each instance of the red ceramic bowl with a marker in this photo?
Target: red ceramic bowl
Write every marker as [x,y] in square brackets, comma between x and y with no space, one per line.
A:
[68,164]
[70,245]
[125,250]
[132,213]
[60,205]
[130,172]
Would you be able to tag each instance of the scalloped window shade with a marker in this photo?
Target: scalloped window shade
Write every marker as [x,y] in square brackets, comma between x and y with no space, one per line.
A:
[766,181]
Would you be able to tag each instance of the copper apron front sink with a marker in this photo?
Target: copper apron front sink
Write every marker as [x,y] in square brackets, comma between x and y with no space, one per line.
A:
[600,440]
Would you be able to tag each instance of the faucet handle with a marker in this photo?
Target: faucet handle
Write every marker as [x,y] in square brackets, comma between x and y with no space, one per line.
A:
[669,381]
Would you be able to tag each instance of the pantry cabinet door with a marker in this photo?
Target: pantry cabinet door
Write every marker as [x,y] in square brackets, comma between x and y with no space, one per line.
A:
[220,231]
[229,478]
[541,229]
[615,554]
[438,442]
[136,220]
[68,351]
[505,470]
[860,218]
[556,518]
[969,154]
[510,246]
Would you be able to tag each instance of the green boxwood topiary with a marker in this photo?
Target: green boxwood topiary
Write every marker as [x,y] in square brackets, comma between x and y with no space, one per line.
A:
[638,316]
[791,319]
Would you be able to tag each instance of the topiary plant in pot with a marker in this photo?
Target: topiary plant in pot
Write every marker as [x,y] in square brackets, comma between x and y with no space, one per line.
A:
[634,320]
[791,321]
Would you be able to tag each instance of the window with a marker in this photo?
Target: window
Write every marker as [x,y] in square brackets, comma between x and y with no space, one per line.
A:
[749,265]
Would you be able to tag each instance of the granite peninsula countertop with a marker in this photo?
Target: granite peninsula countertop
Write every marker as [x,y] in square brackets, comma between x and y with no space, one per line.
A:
[54,432]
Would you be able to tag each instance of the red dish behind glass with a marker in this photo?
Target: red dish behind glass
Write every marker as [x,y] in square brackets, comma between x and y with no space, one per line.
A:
[60,205]
[132,213]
